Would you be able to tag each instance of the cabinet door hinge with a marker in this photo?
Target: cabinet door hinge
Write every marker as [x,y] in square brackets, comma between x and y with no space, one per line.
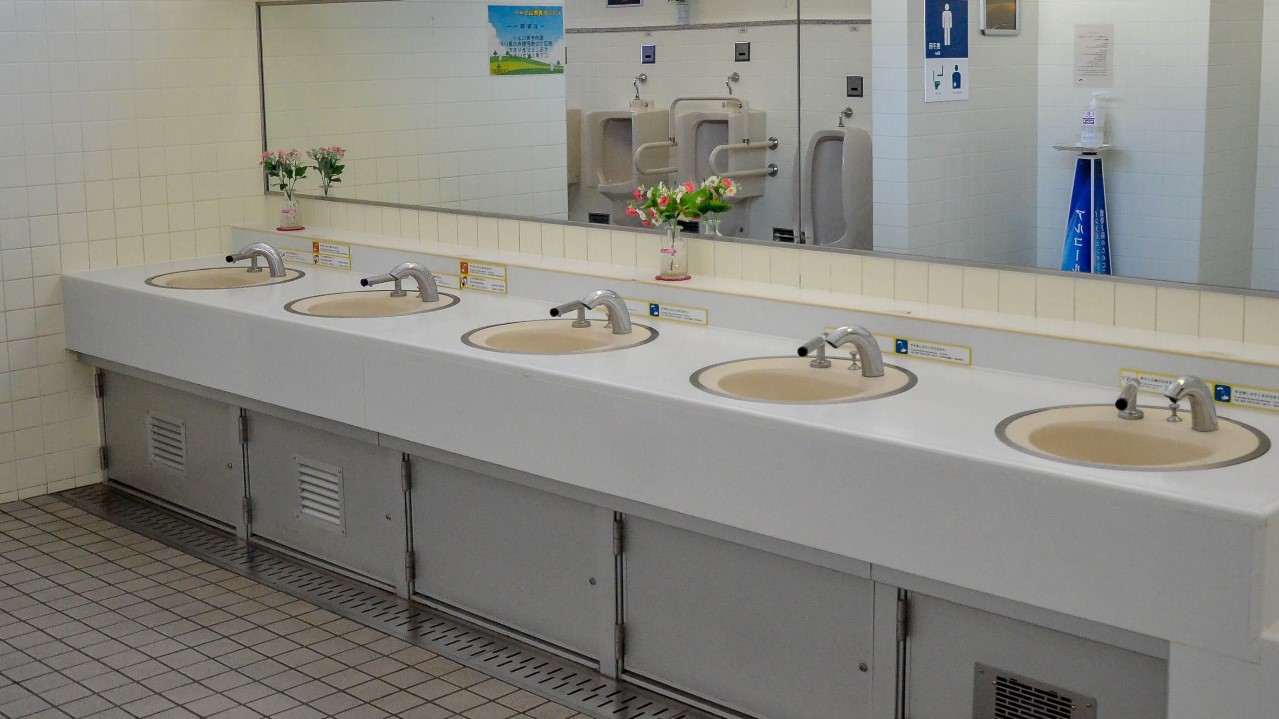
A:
[244,428]
[406,473]
[619,640]
[99,384]
[410,567]
[247,506]
[104,459]
[619,535]
[903,618]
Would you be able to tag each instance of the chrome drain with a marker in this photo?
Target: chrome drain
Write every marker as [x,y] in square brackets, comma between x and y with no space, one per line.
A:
[539,672]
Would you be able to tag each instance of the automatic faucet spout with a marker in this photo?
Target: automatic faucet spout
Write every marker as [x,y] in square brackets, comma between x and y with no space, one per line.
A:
[872,360]
[864,342]
[1203,411]
[425,281]
[618,315]
[263,250]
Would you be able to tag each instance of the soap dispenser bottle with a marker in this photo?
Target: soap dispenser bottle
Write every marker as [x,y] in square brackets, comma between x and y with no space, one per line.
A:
[1092,126]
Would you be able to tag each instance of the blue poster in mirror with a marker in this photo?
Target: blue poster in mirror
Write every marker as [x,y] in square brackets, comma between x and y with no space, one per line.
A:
[946,50]
[526,40]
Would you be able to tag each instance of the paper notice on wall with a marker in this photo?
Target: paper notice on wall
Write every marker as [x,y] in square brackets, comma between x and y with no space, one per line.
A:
[1094,55]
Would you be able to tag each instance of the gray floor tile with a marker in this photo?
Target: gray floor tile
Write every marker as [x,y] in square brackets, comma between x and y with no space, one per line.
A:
[460,701]
[148,706]
[427,711]
[101,623]
[399,702]
[336,703]
[273,704]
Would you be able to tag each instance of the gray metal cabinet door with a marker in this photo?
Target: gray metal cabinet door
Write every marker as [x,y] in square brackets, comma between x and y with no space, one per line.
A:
[174,445]
[518,556]
[1020,660]
[754,631]
[328,496]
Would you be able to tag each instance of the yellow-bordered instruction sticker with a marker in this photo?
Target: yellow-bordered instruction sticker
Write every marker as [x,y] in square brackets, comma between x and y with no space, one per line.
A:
[482,277]
[1228,394]
[331,254]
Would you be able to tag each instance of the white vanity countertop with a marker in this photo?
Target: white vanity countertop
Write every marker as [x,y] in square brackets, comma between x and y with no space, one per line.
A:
[917,482]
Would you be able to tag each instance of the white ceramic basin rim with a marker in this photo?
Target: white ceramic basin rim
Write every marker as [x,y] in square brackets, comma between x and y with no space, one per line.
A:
[556,337]
[792,380]
[365,304]
[220,278]
[1095,436]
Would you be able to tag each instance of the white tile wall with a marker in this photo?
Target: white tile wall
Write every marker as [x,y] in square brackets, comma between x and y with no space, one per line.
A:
[1230,147]
[435,128]
[955,179]
[592,14]
[1265,258]
[993,296]
[128,133]
[1156,118]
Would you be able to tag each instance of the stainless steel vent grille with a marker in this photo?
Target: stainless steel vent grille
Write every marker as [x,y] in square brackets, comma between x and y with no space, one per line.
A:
[319,490]
[999,694]
[167,441]
[536,671]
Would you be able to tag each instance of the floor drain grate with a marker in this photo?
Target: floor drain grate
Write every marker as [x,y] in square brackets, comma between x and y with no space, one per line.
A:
[538,672]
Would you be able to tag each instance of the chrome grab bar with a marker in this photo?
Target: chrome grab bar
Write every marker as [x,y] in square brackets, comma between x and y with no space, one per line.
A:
[771,170]
[639,152]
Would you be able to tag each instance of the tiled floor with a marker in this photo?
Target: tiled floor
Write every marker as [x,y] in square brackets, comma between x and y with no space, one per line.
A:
[96,621]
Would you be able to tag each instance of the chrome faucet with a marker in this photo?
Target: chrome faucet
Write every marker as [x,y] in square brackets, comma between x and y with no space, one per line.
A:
[425,281]
[868,354]
[618,316]
[1127,402]
[260,249]
[1203,411]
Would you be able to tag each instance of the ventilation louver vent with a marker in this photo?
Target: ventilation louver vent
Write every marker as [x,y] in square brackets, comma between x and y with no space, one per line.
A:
[319,490]
[999,694]
[167,441]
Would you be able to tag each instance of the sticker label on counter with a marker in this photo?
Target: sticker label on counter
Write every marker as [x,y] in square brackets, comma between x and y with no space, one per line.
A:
[935,351]
[662,311]
[1227,394]
[447,282]
[331,254]
[302,257]
[482,277]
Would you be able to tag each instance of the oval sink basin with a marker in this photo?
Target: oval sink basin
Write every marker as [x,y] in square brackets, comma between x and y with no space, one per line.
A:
[368,304]
[556,337]
[221,278]
[1094,435]
[790,380]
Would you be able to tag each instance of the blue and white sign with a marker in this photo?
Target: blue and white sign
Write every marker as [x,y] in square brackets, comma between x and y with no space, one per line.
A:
[946,50]
[1087,245]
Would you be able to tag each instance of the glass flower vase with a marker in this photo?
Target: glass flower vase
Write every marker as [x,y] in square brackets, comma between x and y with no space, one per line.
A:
[712,226]
[290,215]
[673,260]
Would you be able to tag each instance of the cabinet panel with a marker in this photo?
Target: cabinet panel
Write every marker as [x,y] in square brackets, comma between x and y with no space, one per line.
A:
[174,445]
[948,640]
[516,555]
[328,496]
[754,631]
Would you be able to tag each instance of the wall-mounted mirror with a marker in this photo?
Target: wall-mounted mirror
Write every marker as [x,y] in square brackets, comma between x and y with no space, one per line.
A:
[408,87]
